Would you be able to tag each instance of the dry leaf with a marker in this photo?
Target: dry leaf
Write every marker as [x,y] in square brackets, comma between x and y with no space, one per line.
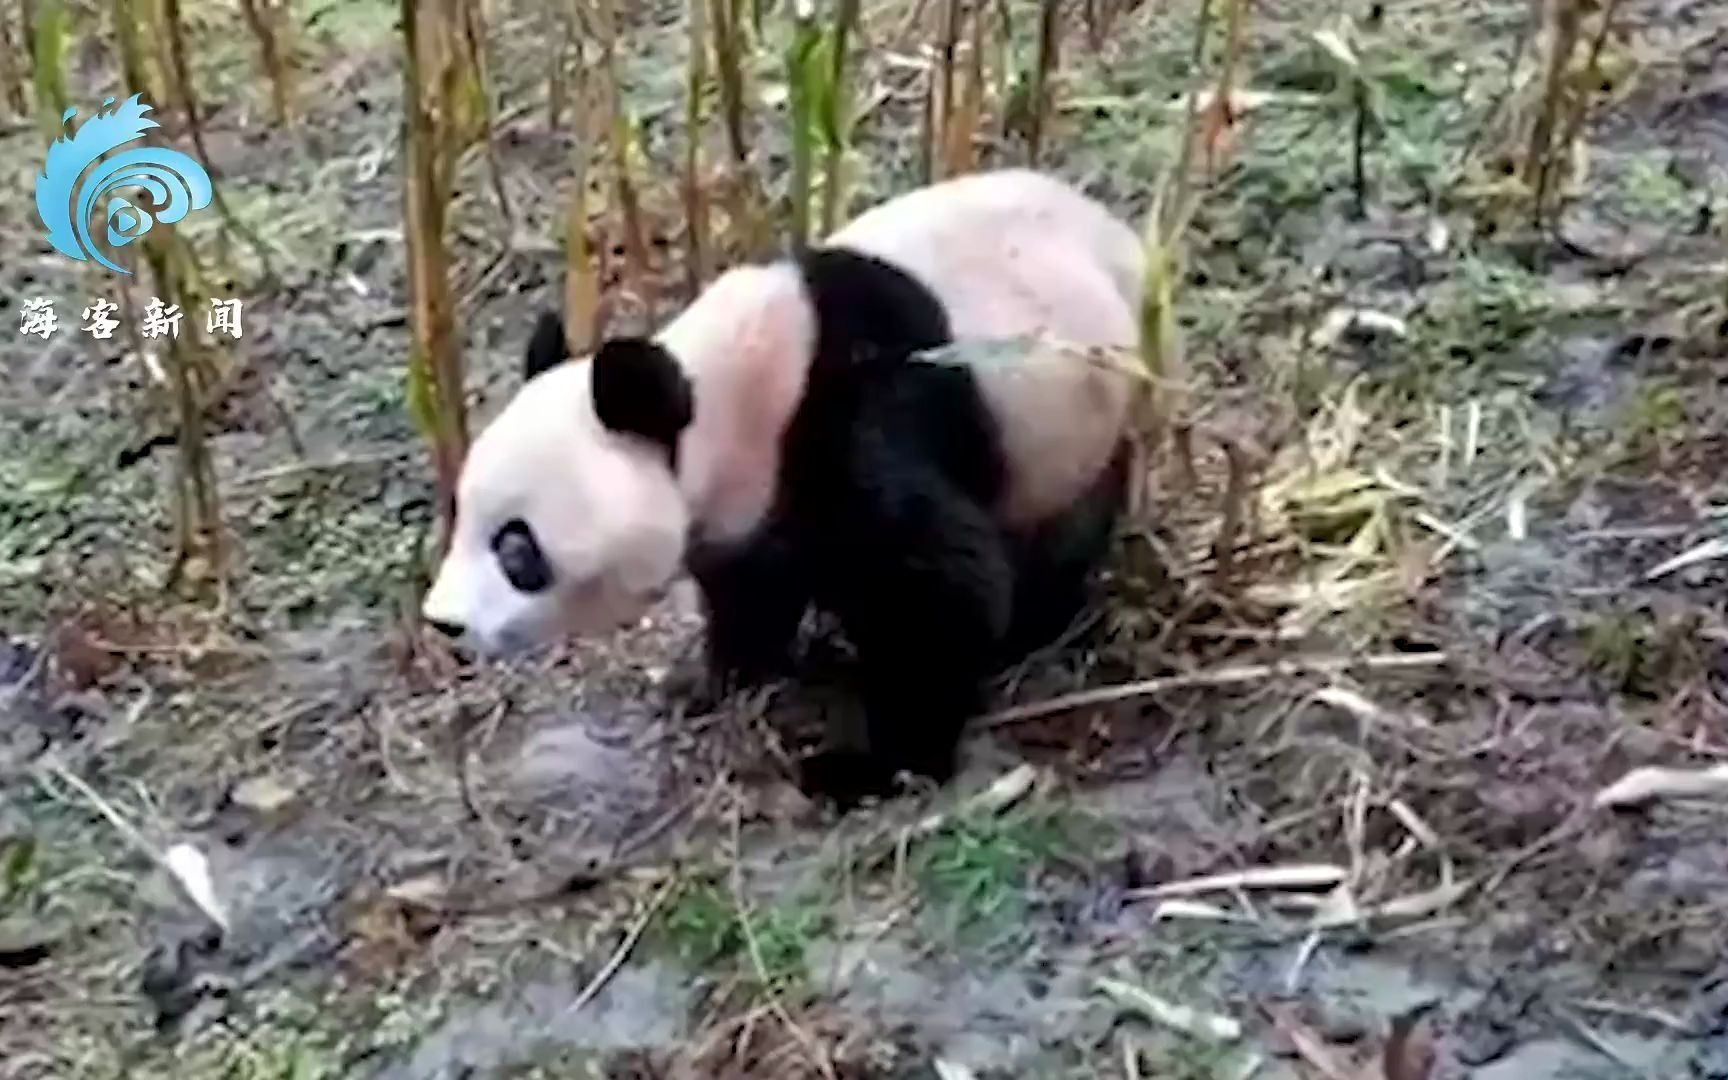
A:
[385,929]
[1310,1046]
[192,870]
[1410,1052]
[1217,132]
[1362,321]
[426,890]
[1332,41]
[80,659]
[263,794]
[1438,236]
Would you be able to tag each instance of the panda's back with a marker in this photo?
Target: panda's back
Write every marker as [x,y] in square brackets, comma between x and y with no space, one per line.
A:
[1011,252]
[805,363]
[1022,440]
[1006,254]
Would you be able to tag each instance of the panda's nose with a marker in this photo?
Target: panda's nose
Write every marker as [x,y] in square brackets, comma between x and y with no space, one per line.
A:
[450,630]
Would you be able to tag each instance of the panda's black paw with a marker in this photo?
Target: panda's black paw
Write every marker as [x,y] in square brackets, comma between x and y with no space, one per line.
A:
[699,687]
[845,778]
[824,662]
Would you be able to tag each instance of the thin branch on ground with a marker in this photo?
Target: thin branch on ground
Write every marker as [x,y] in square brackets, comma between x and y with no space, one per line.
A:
[1215,678]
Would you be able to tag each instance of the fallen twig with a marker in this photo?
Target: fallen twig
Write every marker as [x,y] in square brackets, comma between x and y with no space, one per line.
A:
[1003,792]
[626,857]
[1217,677]
[185,865]
[1656,782]
[622,952]
[1265,877]
[1589,1036]
[753,948]
[1183,1018]
[1716,548]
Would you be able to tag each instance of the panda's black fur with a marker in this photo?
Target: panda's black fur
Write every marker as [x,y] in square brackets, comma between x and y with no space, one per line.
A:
[881,518]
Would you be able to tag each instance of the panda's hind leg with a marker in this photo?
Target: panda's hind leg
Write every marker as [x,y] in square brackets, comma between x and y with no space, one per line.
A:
[1053,568]
[921,580]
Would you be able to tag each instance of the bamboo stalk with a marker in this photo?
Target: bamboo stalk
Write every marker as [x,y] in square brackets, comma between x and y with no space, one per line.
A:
[942,117]
[12,72]
[840,97]
[963,120]
[695,199]
[802,92]
[268,20]
[435,366]
[181,77]
[1049,46]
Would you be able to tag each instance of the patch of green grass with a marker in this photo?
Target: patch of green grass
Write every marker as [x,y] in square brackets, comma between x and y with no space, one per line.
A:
[374,395]
[704,929]
[17,869]
[783,935]
[1476,332]
[1498,298]
[1639,652]
[279,1037]
[700,925]
[325,542]
[978,871]
[1647,188]
[1653,414]
[1614,646]
[283,1034]
[356,24]
[59,525]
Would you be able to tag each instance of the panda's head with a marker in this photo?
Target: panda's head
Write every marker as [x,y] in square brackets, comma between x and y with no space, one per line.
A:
[569,515]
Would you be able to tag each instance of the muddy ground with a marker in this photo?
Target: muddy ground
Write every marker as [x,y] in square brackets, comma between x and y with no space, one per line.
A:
[549,871]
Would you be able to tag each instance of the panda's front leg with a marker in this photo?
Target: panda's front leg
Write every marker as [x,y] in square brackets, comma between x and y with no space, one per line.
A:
[920,577]
[753,598]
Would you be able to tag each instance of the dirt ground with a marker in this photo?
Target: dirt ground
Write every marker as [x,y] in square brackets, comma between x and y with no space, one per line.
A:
[547,870]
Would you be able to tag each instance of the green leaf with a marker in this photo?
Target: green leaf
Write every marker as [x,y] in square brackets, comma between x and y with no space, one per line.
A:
[17,858]
[825,108]
[422,399]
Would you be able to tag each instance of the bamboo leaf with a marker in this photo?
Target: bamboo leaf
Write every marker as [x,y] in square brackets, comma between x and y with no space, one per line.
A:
[19,858]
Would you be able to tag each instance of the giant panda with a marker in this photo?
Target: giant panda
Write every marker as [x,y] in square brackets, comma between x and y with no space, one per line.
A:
[780,440]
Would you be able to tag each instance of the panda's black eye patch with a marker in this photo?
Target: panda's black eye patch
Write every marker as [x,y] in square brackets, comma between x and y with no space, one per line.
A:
[520,557]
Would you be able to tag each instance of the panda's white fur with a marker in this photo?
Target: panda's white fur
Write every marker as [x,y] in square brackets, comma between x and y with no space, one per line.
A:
[1006,253]
[1012,253]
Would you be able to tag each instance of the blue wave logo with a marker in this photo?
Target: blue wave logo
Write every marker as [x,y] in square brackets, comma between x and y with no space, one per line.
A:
[75,186]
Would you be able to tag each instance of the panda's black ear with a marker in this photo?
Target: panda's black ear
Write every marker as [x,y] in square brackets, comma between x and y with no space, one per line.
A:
[639,389]
[547,346]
